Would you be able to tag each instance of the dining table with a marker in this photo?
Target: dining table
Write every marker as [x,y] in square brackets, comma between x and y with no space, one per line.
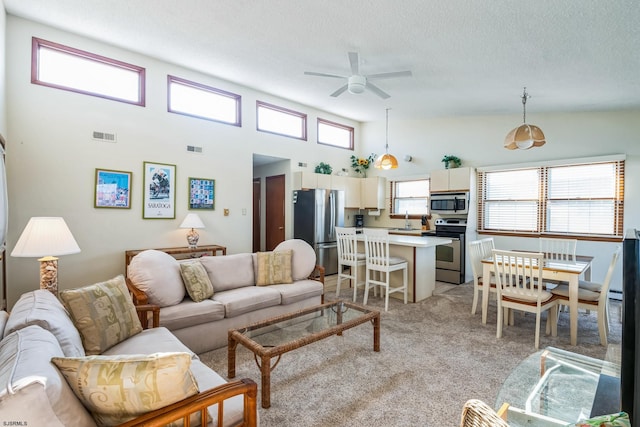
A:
[553,270]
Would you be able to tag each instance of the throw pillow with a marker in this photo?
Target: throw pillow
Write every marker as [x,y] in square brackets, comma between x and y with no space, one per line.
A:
[103,313]
[273,268]
[117,389]
[157,274]
[303,258]
[196,280]
[620,419]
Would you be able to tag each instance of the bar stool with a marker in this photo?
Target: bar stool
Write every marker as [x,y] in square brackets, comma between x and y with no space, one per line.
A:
[348,256]
[378,260]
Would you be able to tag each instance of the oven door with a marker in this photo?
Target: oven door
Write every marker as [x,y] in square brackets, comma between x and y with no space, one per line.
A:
[448,256]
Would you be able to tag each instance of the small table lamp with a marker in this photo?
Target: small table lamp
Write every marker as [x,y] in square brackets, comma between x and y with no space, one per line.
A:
[192,221]
[46,237]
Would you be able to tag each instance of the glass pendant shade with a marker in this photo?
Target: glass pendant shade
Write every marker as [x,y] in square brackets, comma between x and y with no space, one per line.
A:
[386,161]
[524,137]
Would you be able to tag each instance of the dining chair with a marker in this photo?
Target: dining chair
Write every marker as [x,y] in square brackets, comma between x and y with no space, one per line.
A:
[518,278]
[348,256]
[378,260]
[479,249]
[592,295]
[558,249]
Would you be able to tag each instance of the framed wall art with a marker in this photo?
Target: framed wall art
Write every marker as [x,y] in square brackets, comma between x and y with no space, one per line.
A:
[159,187]
[201,193]
[113,189]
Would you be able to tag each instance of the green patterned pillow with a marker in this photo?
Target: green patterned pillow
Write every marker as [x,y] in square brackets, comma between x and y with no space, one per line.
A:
[116,389]
[274,267]
[103,313]
[620,419]
[196,280]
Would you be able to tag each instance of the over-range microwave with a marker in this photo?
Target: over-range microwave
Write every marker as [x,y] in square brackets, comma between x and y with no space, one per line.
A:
[449,203]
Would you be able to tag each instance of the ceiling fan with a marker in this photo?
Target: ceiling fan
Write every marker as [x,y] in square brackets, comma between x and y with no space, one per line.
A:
[357,83]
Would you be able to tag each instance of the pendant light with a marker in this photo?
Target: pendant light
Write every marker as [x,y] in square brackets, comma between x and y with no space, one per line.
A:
[386,161]
[524,136]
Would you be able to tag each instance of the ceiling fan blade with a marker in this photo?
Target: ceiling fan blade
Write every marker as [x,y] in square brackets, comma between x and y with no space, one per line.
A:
[375,89]
[312,73]
[390,75]
[340,91]
[355,63]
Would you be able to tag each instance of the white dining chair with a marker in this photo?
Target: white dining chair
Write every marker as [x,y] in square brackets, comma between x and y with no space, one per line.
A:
[518,275]
[479,249]
[349,257]
[558,249]
[592,295]
[381,263]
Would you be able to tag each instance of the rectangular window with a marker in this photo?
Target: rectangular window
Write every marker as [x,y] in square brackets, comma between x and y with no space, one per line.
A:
[281,121]
[335,134]
[67,68]
[575,200]
[409,197]
[201,101]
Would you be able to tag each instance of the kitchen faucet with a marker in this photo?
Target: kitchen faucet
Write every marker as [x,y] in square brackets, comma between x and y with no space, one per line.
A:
[407,225]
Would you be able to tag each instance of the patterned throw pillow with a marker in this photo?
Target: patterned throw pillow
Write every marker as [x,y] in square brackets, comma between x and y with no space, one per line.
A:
[103,313]
[196,280]
[116,389]
[274,267]
[620,419]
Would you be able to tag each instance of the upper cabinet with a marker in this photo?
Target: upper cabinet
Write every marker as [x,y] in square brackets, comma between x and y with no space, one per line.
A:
[456,179]
[311,180]
[359,193]
[372,192]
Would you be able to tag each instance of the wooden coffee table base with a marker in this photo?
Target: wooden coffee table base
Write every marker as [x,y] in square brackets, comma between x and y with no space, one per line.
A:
[265,354]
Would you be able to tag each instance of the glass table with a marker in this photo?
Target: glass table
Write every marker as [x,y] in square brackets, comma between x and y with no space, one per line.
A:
[555,387]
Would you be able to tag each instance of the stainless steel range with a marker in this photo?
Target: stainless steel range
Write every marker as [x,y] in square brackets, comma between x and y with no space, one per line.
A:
[450,259]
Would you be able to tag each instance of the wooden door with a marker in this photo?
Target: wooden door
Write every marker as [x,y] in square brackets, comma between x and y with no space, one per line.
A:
[274,214]
[256,214]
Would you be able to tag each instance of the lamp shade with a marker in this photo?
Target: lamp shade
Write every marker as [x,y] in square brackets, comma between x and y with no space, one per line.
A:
[524,137]
[386,161]
[192,220]
[45,236]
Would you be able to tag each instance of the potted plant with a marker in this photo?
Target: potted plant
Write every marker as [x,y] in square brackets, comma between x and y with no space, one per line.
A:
[324,168]
[361,164]
[451,161]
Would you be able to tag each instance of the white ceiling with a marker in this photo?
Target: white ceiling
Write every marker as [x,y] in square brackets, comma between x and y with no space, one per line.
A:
[468,57]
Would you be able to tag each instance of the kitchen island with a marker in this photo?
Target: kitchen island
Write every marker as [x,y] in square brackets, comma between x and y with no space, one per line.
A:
[420,253]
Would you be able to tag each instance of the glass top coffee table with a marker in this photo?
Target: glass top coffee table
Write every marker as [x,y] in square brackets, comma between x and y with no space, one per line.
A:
[555,387]
[278,335]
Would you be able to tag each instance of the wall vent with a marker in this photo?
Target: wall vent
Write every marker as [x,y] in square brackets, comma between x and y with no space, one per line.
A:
[302,165]
[104,136]
[194,149]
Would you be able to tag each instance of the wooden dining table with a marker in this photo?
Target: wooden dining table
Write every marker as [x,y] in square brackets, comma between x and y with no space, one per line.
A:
[556,270]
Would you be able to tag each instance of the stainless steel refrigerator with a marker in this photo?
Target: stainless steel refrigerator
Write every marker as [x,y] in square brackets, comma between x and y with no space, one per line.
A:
[316,213]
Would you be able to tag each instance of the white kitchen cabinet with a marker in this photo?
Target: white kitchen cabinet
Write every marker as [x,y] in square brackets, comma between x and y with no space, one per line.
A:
[352,192]
[311,180]
[372,192]
[359,193]
[456,179]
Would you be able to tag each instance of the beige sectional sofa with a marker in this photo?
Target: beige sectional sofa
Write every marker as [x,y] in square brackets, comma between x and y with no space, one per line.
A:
[40,338]
[241,291]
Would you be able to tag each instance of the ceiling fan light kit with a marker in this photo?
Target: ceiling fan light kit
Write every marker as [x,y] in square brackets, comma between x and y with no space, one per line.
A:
[524,136]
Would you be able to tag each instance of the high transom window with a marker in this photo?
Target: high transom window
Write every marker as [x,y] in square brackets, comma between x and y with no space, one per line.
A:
[281,121]
[75,70]
[335,134]
[582,199]
[202,101]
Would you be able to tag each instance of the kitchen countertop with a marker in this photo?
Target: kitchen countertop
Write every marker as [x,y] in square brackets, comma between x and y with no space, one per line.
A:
[414,241]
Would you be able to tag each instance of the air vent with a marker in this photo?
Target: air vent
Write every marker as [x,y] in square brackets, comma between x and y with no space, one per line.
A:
[194,149]
[104,136]
[302,165]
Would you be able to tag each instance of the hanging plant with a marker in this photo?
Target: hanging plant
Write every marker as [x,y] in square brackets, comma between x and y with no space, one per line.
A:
[451,161]
[324,168]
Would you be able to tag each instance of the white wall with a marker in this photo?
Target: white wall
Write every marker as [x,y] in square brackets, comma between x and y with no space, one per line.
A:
[51,161]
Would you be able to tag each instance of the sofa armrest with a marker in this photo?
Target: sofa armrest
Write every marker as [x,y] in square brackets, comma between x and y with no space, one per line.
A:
[139,297]
[199,403]
[317,274]
[143,314]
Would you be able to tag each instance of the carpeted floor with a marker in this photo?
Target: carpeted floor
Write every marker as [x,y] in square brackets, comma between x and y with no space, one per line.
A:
[435,355]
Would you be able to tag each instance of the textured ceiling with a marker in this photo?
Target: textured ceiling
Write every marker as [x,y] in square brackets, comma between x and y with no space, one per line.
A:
[468,57]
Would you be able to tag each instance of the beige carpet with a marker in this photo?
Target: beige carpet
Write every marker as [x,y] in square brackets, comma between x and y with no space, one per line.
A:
[434,356]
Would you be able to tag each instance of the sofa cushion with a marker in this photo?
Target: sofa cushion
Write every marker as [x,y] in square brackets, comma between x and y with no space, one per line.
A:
[233,407]
[25,403]
[26,359]
[229,271]
[42,308]
[3,322]
[154,340]
[116,389]
[196,280]
[249,298]
[157,274]
[302,290]
[190,313]
[273,268]
[303,258]
[103,313]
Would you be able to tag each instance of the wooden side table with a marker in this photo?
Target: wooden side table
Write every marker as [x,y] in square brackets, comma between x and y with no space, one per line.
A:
[179,253]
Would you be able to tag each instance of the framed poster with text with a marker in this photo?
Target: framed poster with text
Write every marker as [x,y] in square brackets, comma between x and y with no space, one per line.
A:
[159,188]
[201,193]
